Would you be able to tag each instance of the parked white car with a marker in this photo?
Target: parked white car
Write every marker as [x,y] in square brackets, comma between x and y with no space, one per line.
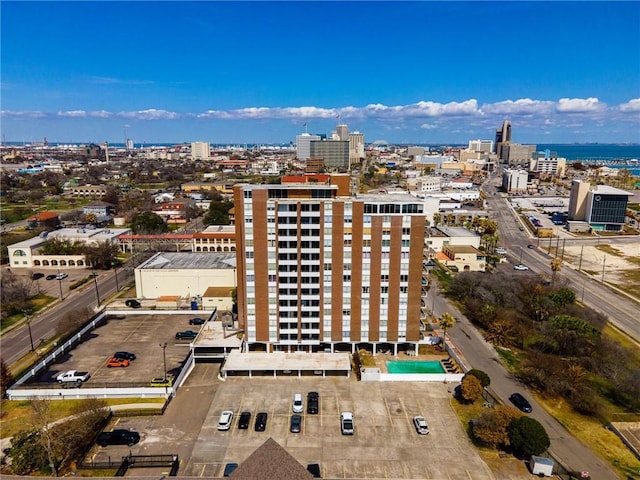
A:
[421,425]
[224,423]
[346,423]
[521,267]
[298,405]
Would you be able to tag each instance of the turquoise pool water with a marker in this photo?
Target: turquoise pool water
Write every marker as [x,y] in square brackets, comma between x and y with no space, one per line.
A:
[423,366]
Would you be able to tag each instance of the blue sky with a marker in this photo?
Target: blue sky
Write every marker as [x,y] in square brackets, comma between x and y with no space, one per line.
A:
[256,72]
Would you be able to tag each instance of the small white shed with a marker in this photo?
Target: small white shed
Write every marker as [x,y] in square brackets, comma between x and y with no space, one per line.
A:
[541,466]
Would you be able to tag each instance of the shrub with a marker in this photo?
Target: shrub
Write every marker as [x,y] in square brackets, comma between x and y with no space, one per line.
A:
[470,389]
[492,428]
[528,437]
[485,381]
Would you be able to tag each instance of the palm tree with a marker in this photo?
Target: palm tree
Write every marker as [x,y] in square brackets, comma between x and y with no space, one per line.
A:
[556,266]
[446,322]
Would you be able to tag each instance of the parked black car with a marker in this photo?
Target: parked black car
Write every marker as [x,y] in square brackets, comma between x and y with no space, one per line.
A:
[261,422]
[229,468]
[245,419]
[118,437]
[296,423]
[132,303]
[314,469]
[197,321]
[126,355]
[37,275]
[313,402]
[186,335]
[52,276]
[521,402]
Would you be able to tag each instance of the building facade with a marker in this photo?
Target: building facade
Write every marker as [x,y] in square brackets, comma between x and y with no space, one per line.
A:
[517,153]
[601,206]
[317,270]
[303,145]
[335,153]
[356,147]
[200,151]
[514,180]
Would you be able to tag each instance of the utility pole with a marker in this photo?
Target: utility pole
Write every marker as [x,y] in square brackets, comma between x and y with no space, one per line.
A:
[27,314]
[95,283]
[580,263]
[603,262]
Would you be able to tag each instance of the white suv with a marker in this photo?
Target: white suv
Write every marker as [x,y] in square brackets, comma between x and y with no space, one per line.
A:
[224,423]
[298,405]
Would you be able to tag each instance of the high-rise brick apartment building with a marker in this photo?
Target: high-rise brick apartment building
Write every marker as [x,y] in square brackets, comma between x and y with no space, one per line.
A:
[320,270]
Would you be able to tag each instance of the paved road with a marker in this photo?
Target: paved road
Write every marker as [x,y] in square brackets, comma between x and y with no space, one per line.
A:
[16,343]
[622,310]
[481,355]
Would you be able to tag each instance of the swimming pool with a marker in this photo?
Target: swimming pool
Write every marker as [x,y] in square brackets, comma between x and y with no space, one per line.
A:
[419,366]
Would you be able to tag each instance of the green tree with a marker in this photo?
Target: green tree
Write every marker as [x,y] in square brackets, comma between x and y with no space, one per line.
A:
[103,255]
[528,437]
[471,389]
[446,322]
[485,381]
[26,452]
[218,213]
[148,222]
[62,246]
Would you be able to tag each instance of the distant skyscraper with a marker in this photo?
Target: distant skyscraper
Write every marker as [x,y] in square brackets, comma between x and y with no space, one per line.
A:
[503,135]
[481,146]
[356,147]
[303,145]
[343,132]
[200,150]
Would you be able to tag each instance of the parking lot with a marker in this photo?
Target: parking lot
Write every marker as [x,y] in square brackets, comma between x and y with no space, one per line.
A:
[142,335]
[385,444]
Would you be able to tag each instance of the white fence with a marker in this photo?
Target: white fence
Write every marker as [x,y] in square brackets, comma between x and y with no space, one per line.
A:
[19,391]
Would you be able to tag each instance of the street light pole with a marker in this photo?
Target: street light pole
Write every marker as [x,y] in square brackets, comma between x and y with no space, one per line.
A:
[164,359]
[95,283]
[27,313]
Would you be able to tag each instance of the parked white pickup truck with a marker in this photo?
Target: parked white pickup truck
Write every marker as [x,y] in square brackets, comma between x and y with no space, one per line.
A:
[73,376]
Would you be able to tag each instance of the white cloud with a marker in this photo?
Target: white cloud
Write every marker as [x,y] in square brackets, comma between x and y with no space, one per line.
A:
[100,114]
[631,106]
[118,81]
[25,114]
[523,106]
[427,126]
[73,113]
[150,114]
[579,105]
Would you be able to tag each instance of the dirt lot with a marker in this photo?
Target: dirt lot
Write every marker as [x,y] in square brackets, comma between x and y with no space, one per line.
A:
[621,266]
[138,334]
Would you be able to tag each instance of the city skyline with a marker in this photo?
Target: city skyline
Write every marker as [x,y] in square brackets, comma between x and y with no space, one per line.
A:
[263,72]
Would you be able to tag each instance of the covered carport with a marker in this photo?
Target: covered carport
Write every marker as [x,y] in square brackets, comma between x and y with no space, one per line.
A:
[286,364]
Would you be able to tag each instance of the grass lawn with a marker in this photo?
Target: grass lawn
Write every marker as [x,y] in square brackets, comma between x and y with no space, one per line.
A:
[16,415]
[593,433]
[38,302]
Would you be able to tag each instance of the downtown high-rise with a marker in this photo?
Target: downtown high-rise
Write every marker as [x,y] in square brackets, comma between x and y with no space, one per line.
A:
[318,266]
